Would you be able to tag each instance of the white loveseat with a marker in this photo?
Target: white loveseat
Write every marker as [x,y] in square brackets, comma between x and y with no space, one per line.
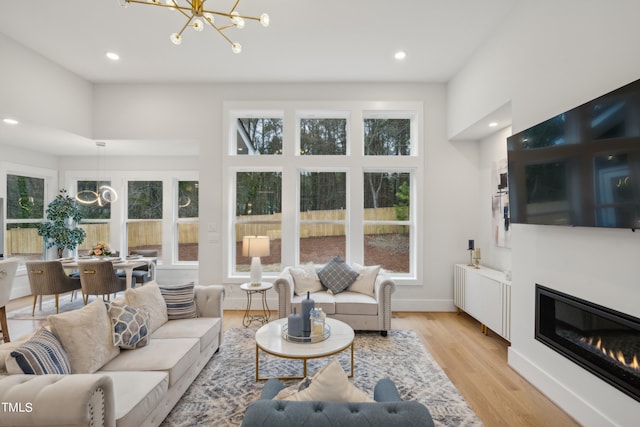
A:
[365,305]
[138,387]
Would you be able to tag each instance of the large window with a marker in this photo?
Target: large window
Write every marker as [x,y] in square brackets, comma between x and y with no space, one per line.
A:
[144,215]
[25,211]
[342,181]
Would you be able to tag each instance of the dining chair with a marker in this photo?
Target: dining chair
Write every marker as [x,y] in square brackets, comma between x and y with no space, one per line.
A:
[145,273]
[49,278]
[8,269]
[100,278]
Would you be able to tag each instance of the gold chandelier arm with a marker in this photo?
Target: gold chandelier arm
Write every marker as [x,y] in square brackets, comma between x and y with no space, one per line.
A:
[185,25]
[234,6]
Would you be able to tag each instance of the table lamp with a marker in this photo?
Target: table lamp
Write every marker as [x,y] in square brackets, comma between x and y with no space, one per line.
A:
[255,247]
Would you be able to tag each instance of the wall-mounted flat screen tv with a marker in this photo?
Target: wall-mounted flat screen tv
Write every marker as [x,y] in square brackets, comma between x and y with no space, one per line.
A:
[581,167]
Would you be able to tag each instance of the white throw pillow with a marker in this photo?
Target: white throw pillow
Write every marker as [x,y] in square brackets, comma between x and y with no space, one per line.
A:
[305,279]
[148,297]
[366,281]
[86,336]
[329,384]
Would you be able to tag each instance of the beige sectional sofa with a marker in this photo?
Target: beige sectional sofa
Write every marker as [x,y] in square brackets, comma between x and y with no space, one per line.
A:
[137,387]
[364,305]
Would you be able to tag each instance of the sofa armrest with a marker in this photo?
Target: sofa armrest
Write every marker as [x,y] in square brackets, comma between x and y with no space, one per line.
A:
[209,300]
[384,287]
[271,388]
[386,391]
[284,287]
[44,400]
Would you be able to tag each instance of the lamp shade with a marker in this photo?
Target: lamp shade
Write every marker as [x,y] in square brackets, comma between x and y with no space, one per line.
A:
[255,246]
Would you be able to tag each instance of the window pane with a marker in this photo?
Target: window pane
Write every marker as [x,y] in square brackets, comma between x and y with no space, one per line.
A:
[188,241]
[145,235]
[271,263]
[387,194]
[387,246]
[323,137]
[188,199]
[323,191]
[23,241]
[259,136]
[258,193]
[387,137]
[321,242]
[96,232]
[25,197]
[145,200]
[86,191]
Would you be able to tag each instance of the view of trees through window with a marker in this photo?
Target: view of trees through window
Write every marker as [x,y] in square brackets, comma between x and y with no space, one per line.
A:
[259,136]
[323,137]
[387,137]
[187,223]
[25,211]
[144,208]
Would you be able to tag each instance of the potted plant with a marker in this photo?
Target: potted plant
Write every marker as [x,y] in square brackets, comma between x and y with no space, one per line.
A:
[63,214]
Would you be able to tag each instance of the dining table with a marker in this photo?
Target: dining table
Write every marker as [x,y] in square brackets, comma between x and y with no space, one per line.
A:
[125,264]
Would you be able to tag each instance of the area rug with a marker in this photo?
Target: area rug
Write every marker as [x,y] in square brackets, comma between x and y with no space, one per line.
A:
[226,386]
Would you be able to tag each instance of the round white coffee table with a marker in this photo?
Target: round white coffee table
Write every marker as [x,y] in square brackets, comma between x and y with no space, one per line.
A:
[269,340]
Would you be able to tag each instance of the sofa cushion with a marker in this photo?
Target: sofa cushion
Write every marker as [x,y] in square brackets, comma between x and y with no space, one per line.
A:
[137,394]
[366,281]
[355,303]
[205,329]
[305,279]
[148,297]
[86,335]
[329,384]
[179,301]
[322,299]
[336,275]
[174,356]
[41,354]
[130,325]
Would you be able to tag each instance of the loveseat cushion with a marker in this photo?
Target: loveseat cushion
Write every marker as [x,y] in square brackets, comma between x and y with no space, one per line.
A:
[205,329]
[305,279]
[323,300]
[173,355]
[366,281]
[86,335]
[337,275]
[137,394]
[355,303]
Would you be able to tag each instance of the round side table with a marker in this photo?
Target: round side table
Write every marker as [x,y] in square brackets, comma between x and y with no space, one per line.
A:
[251,289]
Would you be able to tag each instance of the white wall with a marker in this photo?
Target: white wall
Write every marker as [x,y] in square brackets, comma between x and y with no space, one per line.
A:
[552,56]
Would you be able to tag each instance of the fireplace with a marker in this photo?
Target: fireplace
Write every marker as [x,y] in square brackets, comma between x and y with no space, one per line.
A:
[603,341]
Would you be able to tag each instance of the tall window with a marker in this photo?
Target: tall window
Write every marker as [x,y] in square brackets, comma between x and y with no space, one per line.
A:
[95,218]
[25,211]
[144,215]
[346,182]
[187,221]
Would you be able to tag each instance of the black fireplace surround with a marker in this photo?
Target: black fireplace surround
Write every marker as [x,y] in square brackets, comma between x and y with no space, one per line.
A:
[603,341]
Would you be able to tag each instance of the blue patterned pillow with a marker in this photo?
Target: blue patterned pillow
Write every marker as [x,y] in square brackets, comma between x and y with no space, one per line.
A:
[42,354]
[336,275]
[179,300]
[130,325]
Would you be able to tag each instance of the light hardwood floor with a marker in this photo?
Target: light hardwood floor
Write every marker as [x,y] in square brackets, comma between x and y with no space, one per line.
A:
[475,363]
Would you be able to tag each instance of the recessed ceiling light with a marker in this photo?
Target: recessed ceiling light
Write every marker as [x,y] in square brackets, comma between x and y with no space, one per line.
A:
[112,56]
[10,121]
[493,124]
[400,55]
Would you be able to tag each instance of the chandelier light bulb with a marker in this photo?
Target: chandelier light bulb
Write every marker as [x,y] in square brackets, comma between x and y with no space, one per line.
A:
[237,20]
[209,17]
[236,48]
[198,25]
[176,39]
[264,20]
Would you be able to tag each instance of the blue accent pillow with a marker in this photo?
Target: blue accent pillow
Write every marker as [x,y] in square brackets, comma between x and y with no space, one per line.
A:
[130,325]
[336,275]
[42,354]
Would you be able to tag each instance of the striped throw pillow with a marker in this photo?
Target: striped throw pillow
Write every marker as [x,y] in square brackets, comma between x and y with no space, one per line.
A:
[179,300]
[42,354]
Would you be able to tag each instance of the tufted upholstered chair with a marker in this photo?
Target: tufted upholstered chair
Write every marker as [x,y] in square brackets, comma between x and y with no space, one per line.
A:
[49,278]
[100,278]
[8,269]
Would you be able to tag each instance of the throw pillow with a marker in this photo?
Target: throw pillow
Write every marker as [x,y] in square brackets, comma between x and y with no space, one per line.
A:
[366,281]
[130,325]
[329,384]
[305,279]
[86,335]
[149,298]
[42,354]
[179,301]
[336,275]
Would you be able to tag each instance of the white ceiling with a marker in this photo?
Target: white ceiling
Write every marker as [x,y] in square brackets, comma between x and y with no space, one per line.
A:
[307,41]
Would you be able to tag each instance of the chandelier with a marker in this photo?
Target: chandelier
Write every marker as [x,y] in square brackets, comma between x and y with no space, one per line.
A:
[197,15]
[104,194]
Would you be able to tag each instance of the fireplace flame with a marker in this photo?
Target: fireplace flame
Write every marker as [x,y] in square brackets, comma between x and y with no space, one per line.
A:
[615,355]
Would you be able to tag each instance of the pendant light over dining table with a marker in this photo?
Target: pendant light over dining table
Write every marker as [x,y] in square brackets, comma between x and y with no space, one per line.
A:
[197,17]
[104,194]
